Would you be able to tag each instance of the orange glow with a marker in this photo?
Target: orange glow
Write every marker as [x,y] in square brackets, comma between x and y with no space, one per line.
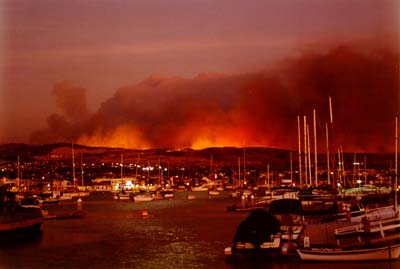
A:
[124,136]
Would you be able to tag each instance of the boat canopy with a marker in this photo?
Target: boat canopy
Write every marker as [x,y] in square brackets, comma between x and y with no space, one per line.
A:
[286,206]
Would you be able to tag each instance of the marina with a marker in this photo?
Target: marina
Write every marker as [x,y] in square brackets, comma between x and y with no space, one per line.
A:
[200,134]
[149,235]
[115,234]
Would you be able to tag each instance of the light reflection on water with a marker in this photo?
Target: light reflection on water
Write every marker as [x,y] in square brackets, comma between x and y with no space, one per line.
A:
[177,234]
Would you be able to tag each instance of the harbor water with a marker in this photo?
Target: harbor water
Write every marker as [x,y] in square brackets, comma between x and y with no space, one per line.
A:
[177,233]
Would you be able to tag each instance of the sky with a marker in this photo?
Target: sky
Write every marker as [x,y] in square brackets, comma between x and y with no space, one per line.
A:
[198,73]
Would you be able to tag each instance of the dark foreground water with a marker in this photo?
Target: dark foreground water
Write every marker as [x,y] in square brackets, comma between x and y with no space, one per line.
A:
[177,234]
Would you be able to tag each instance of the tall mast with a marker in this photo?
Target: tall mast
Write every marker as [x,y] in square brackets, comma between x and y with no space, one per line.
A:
[291,167]
[342,159]
[122,165]
[159,171]
[339,165]
[354,168]
[309,154]
[332,142]
[244,165]
[315,148]
[327,154]
[73,166]
[395,164]
[18,174]
[365,168]
[137,166]
[299,142]
[82,171]
[211,167]
[305,150]
[239,171]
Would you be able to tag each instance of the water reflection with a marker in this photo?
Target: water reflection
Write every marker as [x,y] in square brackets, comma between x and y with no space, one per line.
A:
[177,234]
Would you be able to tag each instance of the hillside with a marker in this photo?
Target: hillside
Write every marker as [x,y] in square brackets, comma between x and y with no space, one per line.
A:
[256,157]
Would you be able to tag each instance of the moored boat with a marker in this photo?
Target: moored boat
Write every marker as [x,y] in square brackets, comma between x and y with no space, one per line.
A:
[213,193]
[18,222]
[123,195]
[390,252]
[168,194]
[143,197]
[259,237]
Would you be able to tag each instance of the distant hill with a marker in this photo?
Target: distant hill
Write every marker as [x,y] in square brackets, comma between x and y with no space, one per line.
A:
[256,157]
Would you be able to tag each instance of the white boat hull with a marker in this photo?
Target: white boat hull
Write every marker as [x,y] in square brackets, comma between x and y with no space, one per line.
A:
[142,198]
[213,193]
[373,254]
[199,189]
[122,197]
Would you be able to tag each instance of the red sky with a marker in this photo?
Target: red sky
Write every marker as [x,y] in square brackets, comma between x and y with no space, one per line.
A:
[83,70]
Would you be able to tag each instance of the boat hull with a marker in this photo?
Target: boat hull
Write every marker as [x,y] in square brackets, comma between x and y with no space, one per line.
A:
[20,230]
[373,254]
[142,198]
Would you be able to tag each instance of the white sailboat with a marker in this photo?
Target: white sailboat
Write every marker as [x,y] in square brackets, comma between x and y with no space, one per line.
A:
[375,235]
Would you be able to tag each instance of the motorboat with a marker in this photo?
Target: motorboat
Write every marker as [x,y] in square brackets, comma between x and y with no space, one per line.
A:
[168,194]
[258,236]
[142,197]
[290,214]
[123,196]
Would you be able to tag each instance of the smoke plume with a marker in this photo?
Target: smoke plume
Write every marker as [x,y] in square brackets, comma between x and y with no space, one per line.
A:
[250,109]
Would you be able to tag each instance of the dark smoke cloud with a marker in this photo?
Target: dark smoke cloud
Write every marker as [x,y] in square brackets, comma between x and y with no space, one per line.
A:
[71,100]
[253,109]
[66,126]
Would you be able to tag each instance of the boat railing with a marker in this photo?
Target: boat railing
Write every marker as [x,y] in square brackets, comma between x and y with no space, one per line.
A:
[370,227]
[318,197]
[383,225]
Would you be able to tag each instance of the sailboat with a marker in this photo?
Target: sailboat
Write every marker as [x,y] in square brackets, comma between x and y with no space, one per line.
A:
[75,193]
[374,237]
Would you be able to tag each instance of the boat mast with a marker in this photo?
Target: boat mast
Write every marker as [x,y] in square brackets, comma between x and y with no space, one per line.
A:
[18,173]
[309,154]
[73,166]
[395,164]
[137,166]
[211,167]
[327,154]
[332,142]
[354,169]
[239,171]
[305,150]
[299,142]
[122,165]
[342,163]
[339,165]
[315,148]
[159,171]
[365,168]
[291,167]
[82,171]
[244,166]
